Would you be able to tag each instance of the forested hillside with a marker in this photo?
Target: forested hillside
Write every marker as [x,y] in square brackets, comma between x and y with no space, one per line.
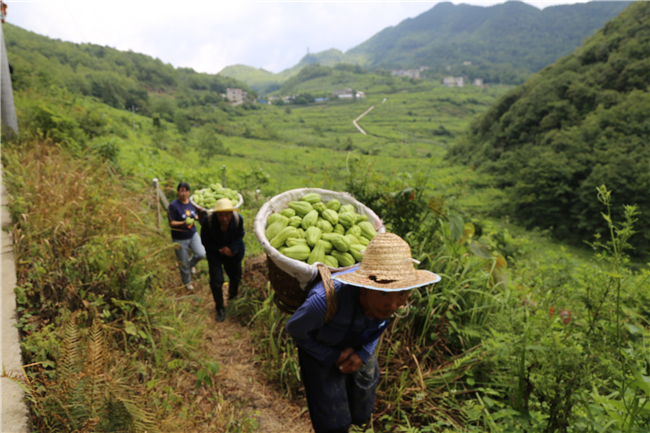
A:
[578,124]
[117,78]
[513,33]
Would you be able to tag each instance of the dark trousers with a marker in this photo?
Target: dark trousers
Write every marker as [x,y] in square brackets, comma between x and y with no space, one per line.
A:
[232,266]
[336,399]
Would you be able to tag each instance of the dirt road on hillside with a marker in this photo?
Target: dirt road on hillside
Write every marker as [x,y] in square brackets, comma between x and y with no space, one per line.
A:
[230,344]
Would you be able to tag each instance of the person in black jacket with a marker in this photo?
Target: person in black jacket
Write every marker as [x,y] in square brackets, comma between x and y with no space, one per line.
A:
[222,235]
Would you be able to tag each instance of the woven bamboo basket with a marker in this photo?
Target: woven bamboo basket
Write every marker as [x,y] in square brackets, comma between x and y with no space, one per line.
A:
[291,279]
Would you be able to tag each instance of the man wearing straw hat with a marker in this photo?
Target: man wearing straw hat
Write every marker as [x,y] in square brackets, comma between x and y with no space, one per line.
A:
[222,234]
[337,361]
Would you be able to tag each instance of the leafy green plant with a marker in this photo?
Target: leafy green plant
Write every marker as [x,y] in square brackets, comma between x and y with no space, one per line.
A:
[96,303]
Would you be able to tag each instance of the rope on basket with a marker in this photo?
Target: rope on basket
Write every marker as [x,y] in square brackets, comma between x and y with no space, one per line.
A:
[330,293]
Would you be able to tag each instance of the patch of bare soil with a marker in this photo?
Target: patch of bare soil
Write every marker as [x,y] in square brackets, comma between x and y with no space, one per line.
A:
[230,344]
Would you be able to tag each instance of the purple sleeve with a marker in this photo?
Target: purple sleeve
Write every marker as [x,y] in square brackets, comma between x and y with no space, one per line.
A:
[306,321]
[367,349]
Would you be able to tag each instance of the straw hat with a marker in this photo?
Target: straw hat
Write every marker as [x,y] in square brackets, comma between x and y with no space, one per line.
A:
[387,266]
[223,205]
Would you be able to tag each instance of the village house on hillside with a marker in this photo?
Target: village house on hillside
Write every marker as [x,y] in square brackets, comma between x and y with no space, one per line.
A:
[460,82]
[411,73]
[453,81]
[347,93]
[236,96]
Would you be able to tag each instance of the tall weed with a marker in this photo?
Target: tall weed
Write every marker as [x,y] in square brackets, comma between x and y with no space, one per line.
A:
[507,340]
[108,342]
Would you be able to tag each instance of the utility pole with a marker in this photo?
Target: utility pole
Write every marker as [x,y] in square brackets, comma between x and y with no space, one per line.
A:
[7,108]
[223,168]
[133,116]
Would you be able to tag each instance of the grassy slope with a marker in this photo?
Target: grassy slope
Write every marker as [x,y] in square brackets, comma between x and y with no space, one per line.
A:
[311,141]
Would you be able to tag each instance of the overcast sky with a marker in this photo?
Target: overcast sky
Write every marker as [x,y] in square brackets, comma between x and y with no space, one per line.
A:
[210,35]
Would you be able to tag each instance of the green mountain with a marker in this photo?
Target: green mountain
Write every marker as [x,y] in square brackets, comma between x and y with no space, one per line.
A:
[259,79]
[578,124]
[118,78]
[504,43]
[512,32]
[331,57]
[265,82]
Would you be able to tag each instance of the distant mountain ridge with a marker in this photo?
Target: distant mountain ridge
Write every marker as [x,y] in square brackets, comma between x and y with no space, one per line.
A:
[511,32]
[511,35]
[265,81]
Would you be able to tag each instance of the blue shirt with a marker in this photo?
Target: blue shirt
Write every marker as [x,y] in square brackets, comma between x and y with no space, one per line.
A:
[350,327]
[178,212]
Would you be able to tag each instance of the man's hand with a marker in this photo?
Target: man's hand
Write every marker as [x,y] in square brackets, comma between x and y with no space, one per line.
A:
[349,362]
[226,252]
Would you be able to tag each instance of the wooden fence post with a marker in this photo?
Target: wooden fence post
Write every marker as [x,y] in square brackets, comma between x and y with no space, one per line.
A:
[157,198]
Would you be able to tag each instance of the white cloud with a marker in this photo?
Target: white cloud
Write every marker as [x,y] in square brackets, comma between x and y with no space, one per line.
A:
[209,36]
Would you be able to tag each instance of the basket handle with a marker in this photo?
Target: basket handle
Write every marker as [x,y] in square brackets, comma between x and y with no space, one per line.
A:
[330,293]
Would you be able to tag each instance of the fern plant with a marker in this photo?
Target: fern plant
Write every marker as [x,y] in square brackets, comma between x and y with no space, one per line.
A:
[84,395]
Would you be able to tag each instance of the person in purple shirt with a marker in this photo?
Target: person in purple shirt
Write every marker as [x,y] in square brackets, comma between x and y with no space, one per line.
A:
[182,214]
[338,365]
[222,234]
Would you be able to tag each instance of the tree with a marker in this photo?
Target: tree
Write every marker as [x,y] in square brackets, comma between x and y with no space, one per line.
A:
[209,144]
[182,122]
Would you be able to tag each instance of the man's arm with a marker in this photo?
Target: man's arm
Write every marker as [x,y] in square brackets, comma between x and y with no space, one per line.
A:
[238,241]
[349,361]
[366,350]
[309,317]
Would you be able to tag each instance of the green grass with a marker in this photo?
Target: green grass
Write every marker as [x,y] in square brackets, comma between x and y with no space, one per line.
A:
[301,146]
[503,306]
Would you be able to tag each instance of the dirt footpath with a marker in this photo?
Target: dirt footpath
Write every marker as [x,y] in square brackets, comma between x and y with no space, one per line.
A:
[230,344]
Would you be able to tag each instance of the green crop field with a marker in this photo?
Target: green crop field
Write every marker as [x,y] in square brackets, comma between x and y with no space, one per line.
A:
[408,131]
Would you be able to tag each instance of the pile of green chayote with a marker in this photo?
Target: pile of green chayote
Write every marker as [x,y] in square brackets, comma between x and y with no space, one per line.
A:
[312,231]
[207,197]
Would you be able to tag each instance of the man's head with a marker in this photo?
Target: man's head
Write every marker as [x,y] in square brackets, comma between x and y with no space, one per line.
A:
[386,276]
[224,217]
[382,305]
[224,209]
